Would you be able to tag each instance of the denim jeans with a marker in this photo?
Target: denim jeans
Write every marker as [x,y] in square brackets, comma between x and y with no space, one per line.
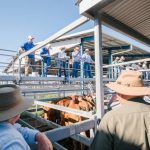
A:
[62,65]
[75,68]
[87,70]
[46,63]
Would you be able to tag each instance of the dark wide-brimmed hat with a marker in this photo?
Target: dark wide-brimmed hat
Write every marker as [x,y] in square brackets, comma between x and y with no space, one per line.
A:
[129,83]
[12,102]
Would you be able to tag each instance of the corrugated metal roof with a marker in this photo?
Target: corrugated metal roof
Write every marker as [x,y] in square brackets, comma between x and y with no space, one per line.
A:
[129,16]
[134,13]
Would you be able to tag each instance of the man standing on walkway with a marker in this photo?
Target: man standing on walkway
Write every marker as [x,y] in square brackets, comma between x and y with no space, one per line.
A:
[30,59]
[46,58]
[126,127]
[86,58]
[116,68]
[122,67]
[62,62]
[76,58]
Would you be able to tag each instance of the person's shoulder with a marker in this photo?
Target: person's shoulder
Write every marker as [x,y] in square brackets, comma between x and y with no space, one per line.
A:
[111,115]
[25,43]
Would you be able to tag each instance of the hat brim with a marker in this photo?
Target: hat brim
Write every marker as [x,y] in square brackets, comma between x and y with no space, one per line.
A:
[131,91]
[18,109]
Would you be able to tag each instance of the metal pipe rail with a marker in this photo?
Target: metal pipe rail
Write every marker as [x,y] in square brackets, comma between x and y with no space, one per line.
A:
[49,91]
[55,144]
[54,79]
[70,130]
[86,141]
[14,78]
[126,63]
[65,30]
[66,109]
[8,50]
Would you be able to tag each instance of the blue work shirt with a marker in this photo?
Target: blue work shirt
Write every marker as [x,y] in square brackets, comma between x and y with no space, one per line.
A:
[27,46]
[15,137]
[44,53]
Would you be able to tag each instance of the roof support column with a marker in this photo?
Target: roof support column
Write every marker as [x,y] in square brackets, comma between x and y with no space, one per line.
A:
[99,66]
[81,67]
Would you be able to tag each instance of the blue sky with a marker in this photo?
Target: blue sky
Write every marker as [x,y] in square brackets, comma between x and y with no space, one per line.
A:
[20,18]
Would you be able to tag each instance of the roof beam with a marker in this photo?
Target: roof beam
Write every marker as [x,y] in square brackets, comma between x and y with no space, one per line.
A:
[58,34]
[114,23]
[87,39]
[89,7]
[125,47]
[134,55]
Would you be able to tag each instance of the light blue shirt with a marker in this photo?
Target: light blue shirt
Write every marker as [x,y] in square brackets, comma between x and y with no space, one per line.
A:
[62,56]
[87,58]
[15,137]
[76,57]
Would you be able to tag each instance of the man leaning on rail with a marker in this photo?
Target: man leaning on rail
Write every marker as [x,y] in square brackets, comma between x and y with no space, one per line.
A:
[45,58]
[30,59]
[128,126]
[12,135]
[76,58]
[86,58]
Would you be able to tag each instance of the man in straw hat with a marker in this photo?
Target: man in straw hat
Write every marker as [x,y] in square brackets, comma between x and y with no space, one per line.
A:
[128,126]
[12,135]
[62,62]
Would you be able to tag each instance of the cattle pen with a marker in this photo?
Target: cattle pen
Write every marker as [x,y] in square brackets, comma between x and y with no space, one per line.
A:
[47,90]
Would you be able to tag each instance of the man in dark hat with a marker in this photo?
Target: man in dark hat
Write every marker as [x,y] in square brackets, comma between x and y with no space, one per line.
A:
[12,135]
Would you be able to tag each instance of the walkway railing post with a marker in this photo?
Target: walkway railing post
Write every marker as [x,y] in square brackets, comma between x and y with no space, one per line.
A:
[110,62]
[19,70]
[99,66]
[81,68]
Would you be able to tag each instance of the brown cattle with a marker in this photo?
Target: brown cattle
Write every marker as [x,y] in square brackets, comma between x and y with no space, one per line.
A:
[84,103]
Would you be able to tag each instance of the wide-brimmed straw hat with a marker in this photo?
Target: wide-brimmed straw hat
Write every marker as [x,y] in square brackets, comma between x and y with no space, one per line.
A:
[129,83]
[12,102]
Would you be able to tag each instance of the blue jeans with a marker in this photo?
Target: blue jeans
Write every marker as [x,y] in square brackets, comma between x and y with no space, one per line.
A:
[46,63]
[75,68]
[87,70]
[62,65]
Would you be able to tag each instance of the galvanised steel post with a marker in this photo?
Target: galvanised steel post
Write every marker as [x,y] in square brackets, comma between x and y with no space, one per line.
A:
[19,70]
[99,66]
[110,62]
[81,68]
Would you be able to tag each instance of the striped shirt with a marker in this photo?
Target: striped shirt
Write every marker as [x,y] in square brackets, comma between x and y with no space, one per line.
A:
[87,58]
[76,57]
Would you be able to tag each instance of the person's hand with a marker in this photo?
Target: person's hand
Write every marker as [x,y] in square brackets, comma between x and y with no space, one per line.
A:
[43,142]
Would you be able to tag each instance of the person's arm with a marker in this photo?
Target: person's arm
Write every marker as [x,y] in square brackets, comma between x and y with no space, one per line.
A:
[59,55]
[83,57]
[41,52]
[28,134]
[32,136]
[43,142]
[74,55]
[91,60]
[21,50]
[103,139]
